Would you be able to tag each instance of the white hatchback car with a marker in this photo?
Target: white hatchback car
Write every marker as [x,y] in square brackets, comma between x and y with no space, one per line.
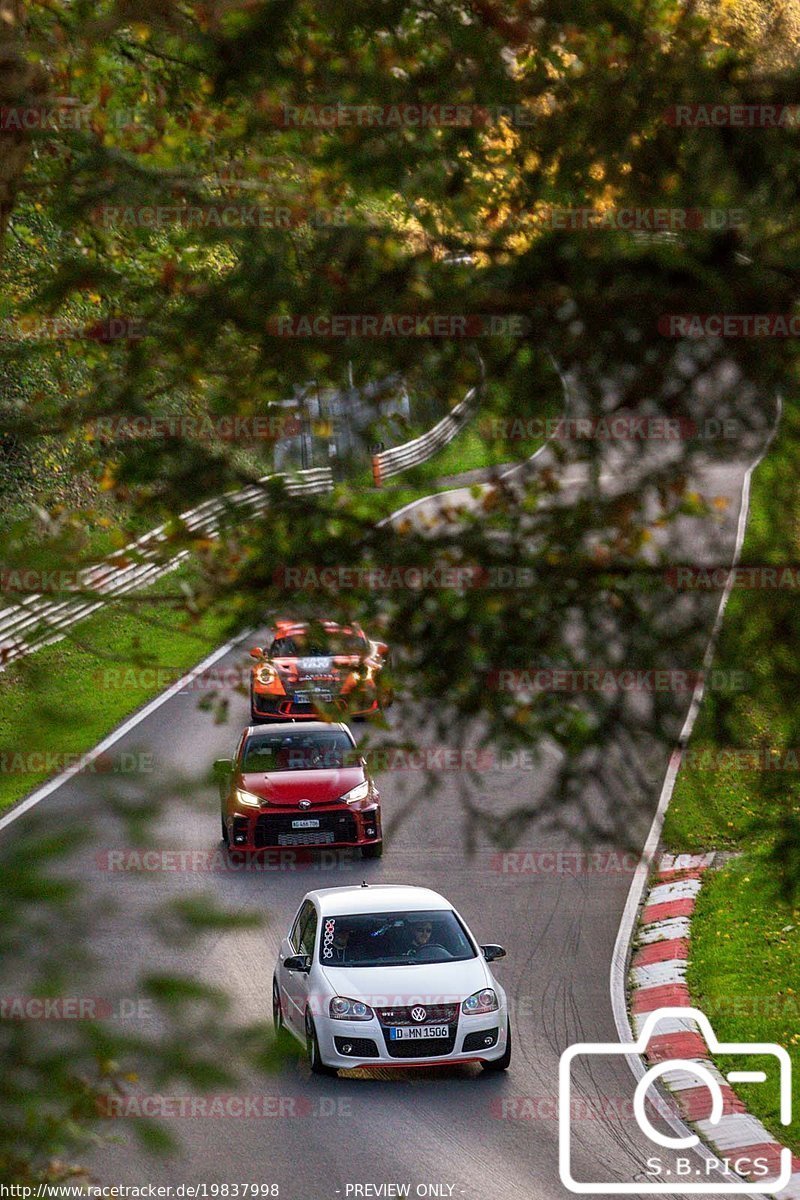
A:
[385,976]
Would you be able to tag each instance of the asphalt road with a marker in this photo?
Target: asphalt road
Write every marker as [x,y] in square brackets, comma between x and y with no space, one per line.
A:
[473,1135]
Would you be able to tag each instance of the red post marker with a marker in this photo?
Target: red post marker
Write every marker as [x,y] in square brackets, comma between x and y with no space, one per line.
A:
[377,478]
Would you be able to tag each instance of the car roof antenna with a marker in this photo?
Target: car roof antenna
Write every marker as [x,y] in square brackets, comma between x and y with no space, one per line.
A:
[364,883]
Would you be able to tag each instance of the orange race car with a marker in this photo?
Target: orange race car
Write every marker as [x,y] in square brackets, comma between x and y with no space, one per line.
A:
[317,668]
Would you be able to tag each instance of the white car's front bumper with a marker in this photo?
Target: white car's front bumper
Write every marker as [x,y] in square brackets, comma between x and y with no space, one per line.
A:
[467,1043]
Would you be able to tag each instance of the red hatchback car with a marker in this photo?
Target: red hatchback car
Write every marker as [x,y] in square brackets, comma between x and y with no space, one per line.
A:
[305,669]
[299,785]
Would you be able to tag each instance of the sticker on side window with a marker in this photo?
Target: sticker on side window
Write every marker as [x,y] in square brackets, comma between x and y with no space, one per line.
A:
[327,938]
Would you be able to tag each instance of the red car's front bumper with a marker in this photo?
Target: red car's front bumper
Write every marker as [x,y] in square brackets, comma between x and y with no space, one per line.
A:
[283,708]
[332,825]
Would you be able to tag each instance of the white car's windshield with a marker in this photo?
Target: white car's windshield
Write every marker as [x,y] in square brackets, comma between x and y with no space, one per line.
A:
[393,939]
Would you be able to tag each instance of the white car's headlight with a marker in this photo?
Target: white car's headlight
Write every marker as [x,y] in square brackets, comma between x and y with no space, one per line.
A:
[359,792]
[248,799]
[342,1008]
[484,1001]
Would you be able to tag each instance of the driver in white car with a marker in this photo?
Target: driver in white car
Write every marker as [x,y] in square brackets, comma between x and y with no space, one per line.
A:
[421,937]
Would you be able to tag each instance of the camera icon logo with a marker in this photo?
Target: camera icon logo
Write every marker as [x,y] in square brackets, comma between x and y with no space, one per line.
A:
[680,1182]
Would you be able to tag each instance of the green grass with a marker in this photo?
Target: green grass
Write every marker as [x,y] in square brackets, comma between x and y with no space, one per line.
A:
[745,944]
[65,698]
[469,451]
[745,975]
[728,803]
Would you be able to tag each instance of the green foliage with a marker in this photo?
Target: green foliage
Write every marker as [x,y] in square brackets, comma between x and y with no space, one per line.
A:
[180,107]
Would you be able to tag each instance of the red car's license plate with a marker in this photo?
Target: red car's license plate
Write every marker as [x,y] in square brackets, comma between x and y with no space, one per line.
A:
[305,824]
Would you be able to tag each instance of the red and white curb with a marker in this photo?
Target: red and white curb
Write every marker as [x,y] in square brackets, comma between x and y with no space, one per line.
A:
[657,979]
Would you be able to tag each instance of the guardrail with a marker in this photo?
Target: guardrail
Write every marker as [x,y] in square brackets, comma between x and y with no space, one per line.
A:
[447,504]
[420,449]
[41,621]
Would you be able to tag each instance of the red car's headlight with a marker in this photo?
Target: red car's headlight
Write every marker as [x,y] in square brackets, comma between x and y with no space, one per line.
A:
[359,792]
[247,799]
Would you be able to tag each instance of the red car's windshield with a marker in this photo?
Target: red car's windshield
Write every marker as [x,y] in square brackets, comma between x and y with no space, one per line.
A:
[298,751]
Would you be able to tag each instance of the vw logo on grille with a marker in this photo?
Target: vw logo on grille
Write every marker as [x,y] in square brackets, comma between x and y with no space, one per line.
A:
[418,1013]
[304,804]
